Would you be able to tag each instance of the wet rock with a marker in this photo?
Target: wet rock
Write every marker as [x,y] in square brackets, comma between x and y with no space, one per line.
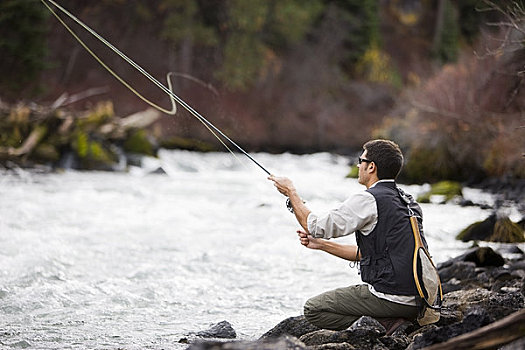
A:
[284,342]
[359,338]
[494,229]
[222,329]
[367,322]
[319,337]
[461,270]
[448,317]
[485,256]
[295,326]
[396,341]
[478,231]
[332,346]
[474,318]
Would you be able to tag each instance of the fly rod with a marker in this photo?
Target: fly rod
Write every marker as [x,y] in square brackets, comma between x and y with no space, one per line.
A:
[173,97]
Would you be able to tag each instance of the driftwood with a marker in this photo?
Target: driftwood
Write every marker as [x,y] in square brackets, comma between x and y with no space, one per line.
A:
[140,120]
[30,142]
[491,336]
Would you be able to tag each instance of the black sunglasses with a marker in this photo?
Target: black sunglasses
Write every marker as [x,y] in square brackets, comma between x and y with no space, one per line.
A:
[361,160]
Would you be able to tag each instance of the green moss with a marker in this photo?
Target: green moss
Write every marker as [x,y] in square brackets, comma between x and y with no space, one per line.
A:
[97,117]
[187,144]
[138,142]
[81,144]
[507,231]
[98,154]
[449,189]
[354,172]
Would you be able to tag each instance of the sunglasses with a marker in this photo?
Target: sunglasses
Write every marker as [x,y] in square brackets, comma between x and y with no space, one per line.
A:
[361,160]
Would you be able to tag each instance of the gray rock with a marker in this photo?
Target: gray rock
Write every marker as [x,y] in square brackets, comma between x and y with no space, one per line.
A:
[360,338]
[474,318]
[222,330]
[285,342]
[319,337]
[295,326]
[332,346]
[484,256]
[460,270]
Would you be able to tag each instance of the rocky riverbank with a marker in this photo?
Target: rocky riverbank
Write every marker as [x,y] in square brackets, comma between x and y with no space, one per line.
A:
[483,306]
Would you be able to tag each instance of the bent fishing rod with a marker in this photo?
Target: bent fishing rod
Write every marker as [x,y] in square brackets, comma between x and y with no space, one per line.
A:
[173,97]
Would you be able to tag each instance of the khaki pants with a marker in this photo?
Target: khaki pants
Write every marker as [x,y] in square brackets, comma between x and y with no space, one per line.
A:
[339,308]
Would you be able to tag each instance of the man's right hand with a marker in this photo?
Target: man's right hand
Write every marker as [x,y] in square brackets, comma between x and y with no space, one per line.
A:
[309,241]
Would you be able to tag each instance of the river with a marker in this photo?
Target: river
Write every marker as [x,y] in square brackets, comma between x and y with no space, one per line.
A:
[138,260]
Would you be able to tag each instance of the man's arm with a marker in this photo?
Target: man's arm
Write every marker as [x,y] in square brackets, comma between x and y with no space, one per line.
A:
[343,251]
[286,187]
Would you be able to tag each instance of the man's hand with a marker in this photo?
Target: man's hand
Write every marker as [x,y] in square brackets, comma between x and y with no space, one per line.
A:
[309,241]
[283,184]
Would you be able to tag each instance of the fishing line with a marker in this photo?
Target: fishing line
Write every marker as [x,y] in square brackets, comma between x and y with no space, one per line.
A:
[168,90]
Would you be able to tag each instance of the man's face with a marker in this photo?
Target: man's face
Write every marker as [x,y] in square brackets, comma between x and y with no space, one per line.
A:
[363,174]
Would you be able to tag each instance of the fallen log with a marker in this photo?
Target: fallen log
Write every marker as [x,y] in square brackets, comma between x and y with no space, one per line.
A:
[491,336]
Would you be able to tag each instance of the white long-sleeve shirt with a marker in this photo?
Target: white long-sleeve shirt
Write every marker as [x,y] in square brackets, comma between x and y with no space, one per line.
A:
[357,213]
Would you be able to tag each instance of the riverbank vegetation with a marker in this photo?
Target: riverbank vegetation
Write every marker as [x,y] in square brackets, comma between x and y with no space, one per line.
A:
[442,78]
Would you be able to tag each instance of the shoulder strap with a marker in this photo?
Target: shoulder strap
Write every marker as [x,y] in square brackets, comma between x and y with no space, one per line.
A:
[419,245]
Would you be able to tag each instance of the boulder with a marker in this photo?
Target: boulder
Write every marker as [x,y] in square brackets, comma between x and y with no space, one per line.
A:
[478,231]
[284,342]
[493,229]
[460,270]
[222,329]
[485,256]
[295,326]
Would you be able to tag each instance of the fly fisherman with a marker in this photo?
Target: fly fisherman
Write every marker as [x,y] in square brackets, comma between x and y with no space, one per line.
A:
[385,244]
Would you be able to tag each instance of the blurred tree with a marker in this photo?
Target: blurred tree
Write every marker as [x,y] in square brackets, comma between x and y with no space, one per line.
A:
[23,47]
[244,33]
[362,18]
[186,27]
[445,45]
[255,29]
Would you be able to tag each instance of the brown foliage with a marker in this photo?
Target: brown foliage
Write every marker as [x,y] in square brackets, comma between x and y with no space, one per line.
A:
[470,113]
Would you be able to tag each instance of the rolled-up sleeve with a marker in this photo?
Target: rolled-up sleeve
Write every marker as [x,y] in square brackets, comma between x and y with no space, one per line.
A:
[358,212]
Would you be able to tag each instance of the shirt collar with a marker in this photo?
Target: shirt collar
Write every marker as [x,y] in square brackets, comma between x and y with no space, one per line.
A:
[384,180]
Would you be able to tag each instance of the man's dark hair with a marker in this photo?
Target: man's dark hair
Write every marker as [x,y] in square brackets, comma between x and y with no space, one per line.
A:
[386,155]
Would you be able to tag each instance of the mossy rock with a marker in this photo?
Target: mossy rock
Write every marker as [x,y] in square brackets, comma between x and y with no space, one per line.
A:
[478,231]
[354,172]
[139,143]
[93,154]
[187,144]
[493,229]
[507,231]
[448,189]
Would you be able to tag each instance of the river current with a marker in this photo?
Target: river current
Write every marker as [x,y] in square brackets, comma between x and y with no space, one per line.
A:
[139,260]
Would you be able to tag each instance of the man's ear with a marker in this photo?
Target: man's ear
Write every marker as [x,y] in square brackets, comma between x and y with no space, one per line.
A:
[372,167]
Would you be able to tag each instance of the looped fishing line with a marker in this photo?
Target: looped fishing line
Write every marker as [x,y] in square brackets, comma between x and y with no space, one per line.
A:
[168,90]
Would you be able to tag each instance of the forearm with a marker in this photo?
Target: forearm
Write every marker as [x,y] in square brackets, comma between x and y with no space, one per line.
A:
[347,252]
[300,210]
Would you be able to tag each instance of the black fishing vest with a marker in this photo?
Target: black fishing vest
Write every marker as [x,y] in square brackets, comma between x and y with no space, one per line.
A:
[387,252]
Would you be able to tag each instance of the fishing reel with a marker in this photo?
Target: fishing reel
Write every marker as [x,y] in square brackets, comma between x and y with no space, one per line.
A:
[289,205]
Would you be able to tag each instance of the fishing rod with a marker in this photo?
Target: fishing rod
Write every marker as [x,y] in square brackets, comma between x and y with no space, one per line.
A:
[173,97]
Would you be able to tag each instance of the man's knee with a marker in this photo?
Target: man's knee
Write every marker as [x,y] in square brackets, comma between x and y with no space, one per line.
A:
[311,311]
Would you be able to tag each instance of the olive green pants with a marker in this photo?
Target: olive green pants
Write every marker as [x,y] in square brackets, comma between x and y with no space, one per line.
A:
[339,308]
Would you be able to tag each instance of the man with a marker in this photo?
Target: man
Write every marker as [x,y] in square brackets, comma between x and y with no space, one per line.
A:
[379,217]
